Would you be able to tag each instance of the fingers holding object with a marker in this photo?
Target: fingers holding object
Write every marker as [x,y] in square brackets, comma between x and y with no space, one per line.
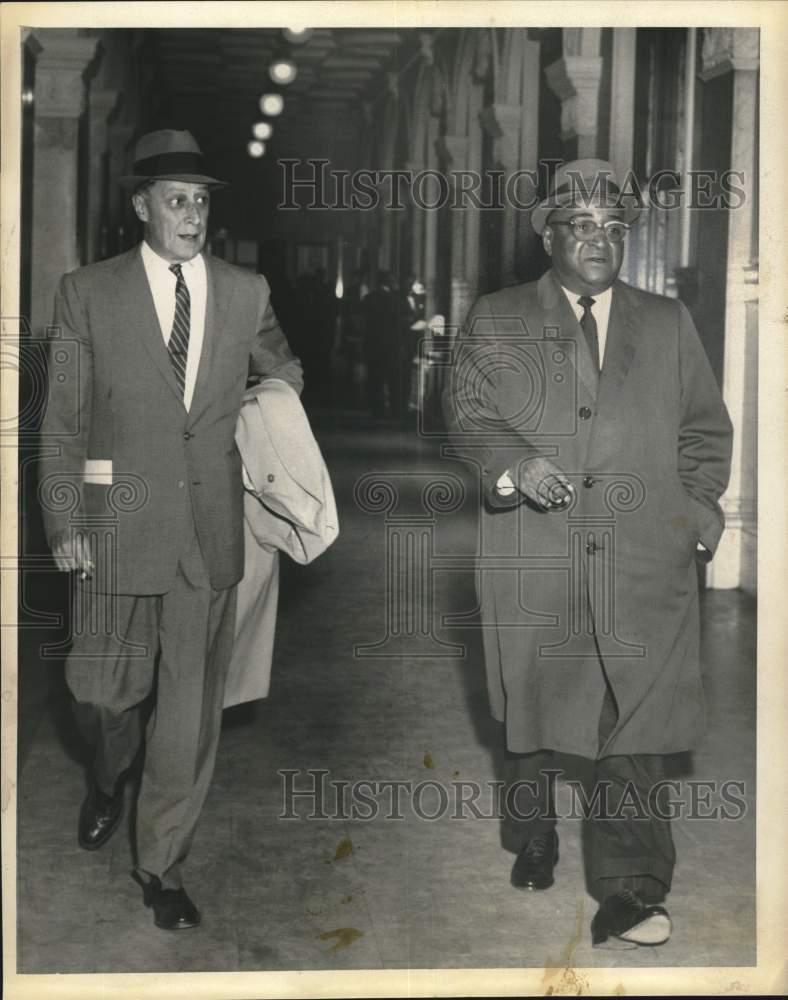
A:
[554,492]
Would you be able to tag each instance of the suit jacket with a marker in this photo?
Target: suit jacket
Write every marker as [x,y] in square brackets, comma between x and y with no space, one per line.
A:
[288,506]
[127,462]
[647,447]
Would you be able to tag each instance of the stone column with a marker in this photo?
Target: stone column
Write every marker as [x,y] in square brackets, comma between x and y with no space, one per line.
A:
[455,155]
[102,105]
[622,101]
[502,122]
[574,78]
[416,218]
[735,50]
[59,102]
[119,135]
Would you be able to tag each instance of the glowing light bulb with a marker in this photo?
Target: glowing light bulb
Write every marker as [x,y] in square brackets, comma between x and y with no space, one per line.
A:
[283,71]
[255,149]
[262,130]
[272,104]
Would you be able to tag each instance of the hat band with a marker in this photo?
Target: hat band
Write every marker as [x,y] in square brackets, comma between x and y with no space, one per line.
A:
[170,163]
[578,187]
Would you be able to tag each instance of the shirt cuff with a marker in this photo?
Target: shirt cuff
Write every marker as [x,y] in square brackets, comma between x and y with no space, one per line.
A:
[505,487]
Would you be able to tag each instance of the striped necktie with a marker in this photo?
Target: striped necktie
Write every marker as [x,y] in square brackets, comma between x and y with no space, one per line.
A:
[588,323]
[178,344]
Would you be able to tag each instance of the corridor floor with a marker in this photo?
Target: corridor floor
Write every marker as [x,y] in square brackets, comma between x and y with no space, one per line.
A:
[376,893]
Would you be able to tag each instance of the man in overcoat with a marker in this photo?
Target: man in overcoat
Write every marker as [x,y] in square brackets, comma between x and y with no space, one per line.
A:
[591,413]
[142,495]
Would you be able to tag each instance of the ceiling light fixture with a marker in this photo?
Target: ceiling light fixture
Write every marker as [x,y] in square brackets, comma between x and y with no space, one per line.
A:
[262,130]
[272,104]
[297,35]
[255,149]
[283,71]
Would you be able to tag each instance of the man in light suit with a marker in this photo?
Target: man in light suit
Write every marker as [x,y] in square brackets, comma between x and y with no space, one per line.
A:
[603,445]
[160,342]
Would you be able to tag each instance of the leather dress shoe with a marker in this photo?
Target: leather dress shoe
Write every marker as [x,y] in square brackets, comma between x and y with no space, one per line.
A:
[626,917]
[172,908]
[533,867]
[99,816]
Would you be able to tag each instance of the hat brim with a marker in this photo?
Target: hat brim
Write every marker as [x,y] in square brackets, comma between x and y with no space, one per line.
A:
[542,211]
[130,181]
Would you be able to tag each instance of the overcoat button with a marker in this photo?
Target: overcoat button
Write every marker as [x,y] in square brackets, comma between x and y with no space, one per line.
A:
[186,436]
[584,413]
[588,481]
[271,477]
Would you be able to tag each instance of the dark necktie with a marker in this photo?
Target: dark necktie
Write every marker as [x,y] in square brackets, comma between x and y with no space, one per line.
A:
[588,324]
[178,345]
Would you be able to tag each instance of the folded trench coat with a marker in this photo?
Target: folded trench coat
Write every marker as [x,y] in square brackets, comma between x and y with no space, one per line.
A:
[289,507]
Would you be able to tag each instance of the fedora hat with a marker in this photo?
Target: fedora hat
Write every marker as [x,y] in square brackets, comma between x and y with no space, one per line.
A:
[584,184]
[168,155]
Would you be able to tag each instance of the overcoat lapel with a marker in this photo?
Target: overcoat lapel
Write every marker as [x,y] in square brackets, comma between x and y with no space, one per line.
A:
[621,342]
[136,302]
[559,313]
[620,347]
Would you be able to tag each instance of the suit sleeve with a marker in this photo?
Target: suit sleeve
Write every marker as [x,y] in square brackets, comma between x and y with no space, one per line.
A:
[65,428]
[705,434]
[477,430]
[271,356]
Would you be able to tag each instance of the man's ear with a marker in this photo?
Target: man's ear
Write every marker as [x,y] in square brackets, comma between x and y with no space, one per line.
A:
[140,203]
[547,240]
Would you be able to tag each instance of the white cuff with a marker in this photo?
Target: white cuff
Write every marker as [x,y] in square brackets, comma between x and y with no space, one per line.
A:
[505,487]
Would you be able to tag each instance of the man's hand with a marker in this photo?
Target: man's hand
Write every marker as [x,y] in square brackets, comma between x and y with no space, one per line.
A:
[544,484]
[71,551]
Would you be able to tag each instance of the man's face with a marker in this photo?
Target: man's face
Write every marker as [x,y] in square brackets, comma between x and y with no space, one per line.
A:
[586,267]
[175,216]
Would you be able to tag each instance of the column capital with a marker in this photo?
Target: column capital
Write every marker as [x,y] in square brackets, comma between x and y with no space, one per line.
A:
[502,123]
[453,149]
[60,69]
[728,49]
[103,103]
[575,81]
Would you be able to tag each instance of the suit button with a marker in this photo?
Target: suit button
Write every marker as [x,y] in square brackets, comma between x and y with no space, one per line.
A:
[187,436]
[584,413]
[591,548]
[588,481]
[270,477]
[181,484]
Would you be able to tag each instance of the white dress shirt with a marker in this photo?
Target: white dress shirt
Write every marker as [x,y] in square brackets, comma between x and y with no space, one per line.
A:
[162,285]
[600,310]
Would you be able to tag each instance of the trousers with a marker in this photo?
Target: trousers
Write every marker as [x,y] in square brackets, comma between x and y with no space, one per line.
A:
[633,850]
[173,648]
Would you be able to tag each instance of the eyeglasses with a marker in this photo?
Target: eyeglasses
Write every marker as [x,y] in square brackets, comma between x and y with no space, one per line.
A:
[584,228]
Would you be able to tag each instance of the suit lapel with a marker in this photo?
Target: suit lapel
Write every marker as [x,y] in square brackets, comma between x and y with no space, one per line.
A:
[559,313]
[621,342]
[220,287]
[136,302]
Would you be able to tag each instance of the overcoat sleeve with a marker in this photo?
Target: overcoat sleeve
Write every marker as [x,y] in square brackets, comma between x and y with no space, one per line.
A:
[705,434]
[271,356]
[477,430]
[65,429]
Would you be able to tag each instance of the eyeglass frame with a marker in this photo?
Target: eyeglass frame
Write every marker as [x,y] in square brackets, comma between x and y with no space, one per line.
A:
[626,226]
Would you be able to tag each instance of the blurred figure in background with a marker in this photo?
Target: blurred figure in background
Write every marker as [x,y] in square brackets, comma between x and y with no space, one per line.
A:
[381,322]
[352,336]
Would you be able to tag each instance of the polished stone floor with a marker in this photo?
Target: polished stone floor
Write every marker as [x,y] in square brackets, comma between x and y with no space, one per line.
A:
[378,893]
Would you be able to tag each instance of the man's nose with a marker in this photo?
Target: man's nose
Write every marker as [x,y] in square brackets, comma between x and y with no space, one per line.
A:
[600,236]
[192,212]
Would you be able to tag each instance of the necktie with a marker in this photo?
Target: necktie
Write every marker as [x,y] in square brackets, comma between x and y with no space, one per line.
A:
[178,344]
[588,324]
